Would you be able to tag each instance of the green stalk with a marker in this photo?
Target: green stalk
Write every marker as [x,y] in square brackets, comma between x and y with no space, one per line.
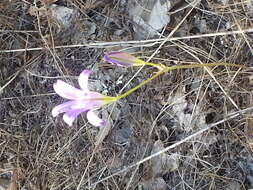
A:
[166,69]
[158,66]
[140,85]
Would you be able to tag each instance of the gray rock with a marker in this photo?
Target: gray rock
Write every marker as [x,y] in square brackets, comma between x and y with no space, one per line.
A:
[123,135]
[63,15]
[149,17]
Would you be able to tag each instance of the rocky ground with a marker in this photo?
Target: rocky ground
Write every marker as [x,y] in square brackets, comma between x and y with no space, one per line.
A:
[187,129]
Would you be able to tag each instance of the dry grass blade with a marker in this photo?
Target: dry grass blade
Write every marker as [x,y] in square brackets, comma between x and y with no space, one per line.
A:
[229,117]
[155,52]
[139,43]
[188,128]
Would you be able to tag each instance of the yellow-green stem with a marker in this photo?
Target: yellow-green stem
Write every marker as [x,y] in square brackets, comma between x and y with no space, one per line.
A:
[140,85]
[159,66]
[201,65]
[166,69]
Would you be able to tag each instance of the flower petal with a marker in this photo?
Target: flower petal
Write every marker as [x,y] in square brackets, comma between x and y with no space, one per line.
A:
[71,115]
[62,108]
[92,100]
[67,91]
[121,59]
[94,119]
[83,79]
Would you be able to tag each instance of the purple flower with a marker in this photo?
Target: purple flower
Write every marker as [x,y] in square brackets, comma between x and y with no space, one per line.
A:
[80,100]
[123,59]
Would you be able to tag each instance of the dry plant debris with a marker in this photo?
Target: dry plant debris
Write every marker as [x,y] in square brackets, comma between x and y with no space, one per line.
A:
[149,17]
[163,163]
[59,39]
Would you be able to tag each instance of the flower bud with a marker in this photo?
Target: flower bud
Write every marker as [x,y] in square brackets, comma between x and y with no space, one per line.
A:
[123,59]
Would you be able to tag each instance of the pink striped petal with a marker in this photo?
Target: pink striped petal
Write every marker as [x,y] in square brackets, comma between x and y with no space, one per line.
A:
[83,79]
[67,91]
[62,108]
[94,119]
[71,115]
[122,59]
[91,101]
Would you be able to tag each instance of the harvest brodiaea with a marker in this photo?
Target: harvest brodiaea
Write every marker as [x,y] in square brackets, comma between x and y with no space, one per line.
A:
[80,100]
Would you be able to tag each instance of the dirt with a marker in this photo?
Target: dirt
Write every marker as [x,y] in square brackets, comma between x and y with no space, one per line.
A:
[166,111]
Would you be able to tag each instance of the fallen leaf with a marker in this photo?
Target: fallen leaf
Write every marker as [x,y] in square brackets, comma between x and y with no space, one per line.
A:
[104,131]
[187,121]
[163,163]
